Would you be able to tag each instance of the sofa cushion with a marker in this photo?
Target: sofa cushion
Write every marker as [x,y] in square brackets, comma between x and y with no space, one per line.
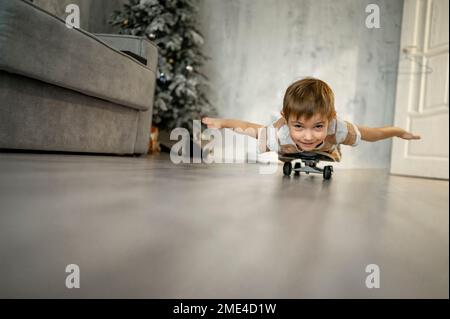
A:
[39,45]
[35,115]
[139,46]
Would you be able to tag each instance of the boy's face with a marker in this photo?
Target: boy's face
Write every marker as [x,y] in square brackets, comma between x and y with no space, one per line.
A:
[308,134]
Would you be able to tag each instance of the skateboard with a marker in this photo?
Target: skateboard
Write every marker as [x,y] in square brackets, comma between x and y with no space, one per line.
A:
[310,161]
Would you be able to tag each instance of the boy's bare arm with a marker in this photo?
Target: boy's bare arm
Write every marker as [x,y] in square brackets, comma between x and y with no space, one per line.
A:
[242,127]
[373,134]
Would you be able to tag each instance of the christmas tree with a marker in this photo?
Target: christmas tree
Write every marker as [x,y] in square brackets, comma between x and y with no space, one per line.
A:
[180,92]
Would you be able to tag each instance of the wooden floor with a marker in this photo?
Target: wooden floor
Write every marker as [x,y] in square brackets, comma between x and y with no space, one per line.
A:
[146,228]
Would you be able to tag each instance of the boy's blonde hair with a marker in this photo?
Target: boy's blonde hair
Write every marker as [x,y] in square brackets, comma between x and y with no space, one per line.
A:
[307,97]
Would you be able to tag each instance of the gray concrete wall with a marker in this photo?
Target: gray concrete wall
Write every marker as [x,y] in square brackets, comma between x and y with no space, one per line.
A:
[94,14]
[258,47]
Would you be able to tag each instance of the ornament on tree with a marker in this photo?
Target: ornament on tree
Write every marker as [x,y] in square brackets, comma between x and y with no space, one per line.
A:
[162,78]
[171,61]
[190,68]
[152,36]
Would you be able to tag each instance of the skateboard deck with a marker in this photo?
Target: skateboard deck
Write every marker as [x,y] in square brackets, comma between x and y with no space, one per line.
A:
[317,155]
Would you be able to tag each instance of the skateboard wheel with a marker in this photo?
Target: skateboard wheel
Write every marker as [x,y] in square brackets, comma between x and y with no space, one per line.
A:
[287,168]
[297,166]
[327,171]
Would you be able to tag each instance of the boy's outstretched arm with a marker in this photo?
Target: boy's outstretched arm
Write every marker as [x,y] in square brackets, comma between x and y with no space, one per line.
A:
[373,134]
[242,127]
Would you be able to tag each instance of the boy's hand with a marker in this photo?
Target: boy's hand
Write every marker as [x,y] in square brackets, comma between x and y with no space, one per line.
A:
[408,136]
[212,122]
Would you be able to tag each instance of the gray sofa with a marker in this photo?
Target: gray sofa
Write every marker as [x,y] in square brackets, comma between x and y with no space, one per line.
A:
[64,89]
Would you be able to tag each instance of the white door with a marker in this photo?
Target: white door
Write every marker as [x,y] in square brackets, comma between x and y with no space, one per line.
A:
[422,90]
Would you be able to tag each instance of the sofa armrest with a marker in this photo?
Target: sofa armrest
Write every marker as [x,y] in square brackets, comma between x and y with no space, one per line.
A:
[145,52]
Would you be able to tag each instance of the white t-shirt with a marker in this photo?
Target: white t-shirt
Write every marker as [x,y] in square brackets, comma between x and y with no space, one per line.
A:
[339,132]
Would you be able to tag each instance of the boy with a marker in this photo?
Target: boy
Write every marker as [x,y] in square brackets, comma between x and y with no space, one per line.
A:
[309,123]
